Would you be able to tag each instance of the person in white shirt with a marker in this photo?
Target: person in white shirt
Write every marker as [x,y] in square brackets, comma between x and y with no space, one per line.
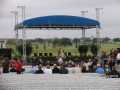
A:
[118,58]
[60,61]
[34,68]
[48,70]
[87,65]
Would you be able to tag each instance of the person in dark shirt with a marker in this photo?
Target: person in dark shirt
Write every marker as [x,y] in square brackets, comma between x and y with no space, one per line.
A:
[12,65]
[39,71]
[63,70]
[107,70]
[114,73]
[55,69]
[5,65]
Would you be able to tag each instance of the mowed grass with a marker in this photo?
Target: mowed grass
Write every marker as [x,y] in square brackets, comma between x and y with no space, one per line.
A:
[108,46]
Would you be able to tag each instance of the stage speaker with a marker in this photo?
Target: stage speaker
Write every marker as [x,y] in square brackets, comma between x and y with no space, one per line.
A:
[6,52]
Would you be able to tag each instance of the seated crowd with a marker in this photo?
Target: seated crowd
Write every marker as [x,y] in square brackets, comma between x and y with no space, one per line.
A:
[48,70]
[106,65]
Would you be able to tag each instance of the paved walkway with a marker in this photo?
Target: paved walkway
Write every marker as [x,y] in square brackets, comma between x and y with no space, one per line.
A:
[58,82]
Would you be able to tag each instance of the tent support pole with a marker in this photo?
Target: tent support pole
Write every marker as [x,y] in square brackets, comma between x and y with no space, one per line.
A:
[83,35]
[98,40]
[24,44]
[98,10]
[17,38]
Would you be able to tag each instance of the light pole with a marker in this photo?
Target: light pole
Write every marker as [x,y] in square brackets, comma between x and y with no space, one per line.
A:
[15,28]
[23,31]
[98,12]
[83,13]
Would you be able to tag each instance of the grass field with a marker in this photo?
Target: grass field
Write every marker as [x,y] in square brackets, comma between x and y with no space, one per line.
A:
[104,47]
[108,46]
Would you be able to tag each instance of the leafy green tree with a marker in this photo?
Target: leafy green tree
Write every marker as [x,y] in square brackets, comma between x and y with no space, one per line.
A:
[28,48]
[94,49]
[116,39]
[55,42]
[105,40]
[62,42]
[83,49]
[66,42]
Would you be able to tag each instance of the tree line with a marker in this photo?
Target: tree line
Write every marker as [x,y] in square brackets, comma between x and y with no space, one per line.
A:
[66,41]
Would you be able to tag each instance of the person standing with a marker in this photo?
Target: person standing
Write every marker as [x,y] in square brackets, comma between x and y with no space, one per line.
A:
[63,70]
[39,71]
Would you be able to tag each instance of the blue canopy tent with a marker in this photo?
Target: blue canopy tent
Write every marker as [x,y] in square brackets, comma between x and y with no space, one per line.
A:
[59,21]
[63,22]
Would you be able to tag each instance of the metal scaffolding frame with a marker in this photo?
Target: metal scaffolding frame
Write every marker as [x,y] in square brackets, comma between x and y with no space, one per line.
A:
[83,29]
[23,30]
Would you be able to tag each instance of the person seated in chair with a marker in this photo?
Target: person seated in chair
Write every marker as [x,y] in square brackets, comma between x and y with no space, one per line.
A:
[19,66]
[107,70]
[48,70]
[55,69]
[12,65]
[5,66]
[39,71]
[12,69]
[114,73]
[63,70]
[100,69]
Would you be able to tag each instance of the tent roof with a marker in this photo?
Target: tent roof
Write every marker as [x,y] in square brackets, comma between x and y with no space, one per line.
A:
[59,21]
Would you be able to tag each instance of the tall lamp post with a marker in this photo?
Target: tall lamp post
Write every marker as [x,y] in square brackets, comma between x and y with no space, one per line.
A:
[23,32]
[98,12]
[15,28]
[83,13]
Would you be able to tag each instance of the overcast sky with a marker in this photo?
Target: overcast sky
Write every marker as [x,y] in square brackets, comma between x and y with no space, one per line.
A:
[110,16]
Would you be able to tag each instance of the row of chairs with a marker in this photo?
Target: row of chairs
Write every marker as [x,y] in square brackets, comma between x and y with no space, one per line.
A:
[51,54]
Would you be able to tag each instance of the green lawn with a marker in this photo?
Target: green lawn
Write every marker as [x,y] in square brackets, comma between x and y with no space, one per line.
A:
[108,46]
